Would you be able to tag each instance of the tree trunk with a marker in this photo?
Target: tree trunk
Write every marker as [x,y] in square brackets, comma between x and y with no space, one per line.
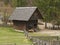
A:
[29,3]
[5,20]
[5,24]
[58,26]
[53,26]
[45,24]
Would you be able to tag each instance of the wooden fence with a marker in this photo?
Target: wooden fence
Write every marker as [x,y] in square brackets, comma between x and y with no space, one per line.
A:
[40,41]
[45,42]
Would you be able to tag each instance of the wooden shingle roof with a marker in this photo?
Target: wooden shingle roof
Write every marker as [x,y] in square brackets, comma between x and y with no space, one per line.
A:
[22,13]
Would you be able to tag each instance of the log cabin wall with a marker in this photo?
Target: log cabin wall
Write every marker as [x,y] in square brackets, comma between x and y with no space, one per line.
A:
[20,25]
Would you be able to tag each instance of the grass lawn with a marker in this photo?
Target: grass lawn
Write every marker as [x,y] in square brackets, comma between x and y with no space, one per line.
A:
[8,35]
[37,34]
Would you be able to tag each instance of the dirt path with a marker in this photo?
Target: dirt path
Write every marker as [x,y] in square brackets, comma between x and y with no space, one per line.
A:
[48,31]
[51,32]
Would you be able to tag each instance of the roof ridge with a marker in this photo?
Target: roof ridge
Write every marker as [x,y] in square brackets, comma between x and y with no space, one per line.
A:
[24,7]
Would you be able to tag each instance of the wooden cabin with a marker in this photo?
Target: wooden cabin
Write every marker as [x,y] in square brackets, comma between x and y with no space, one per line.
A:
[25,17]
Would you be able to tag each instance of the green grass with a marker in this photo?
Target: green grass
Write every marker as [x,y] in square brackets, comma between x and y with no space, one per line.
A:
[8,35]
[38,34]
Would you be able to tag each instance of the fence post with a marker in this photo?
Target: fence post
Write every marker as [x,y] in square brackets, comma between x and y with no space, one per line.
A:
[26,33]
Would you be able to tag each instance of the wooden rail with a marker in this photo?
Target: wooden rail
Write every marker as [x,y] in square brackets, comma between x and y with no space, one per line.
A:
[51,40]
